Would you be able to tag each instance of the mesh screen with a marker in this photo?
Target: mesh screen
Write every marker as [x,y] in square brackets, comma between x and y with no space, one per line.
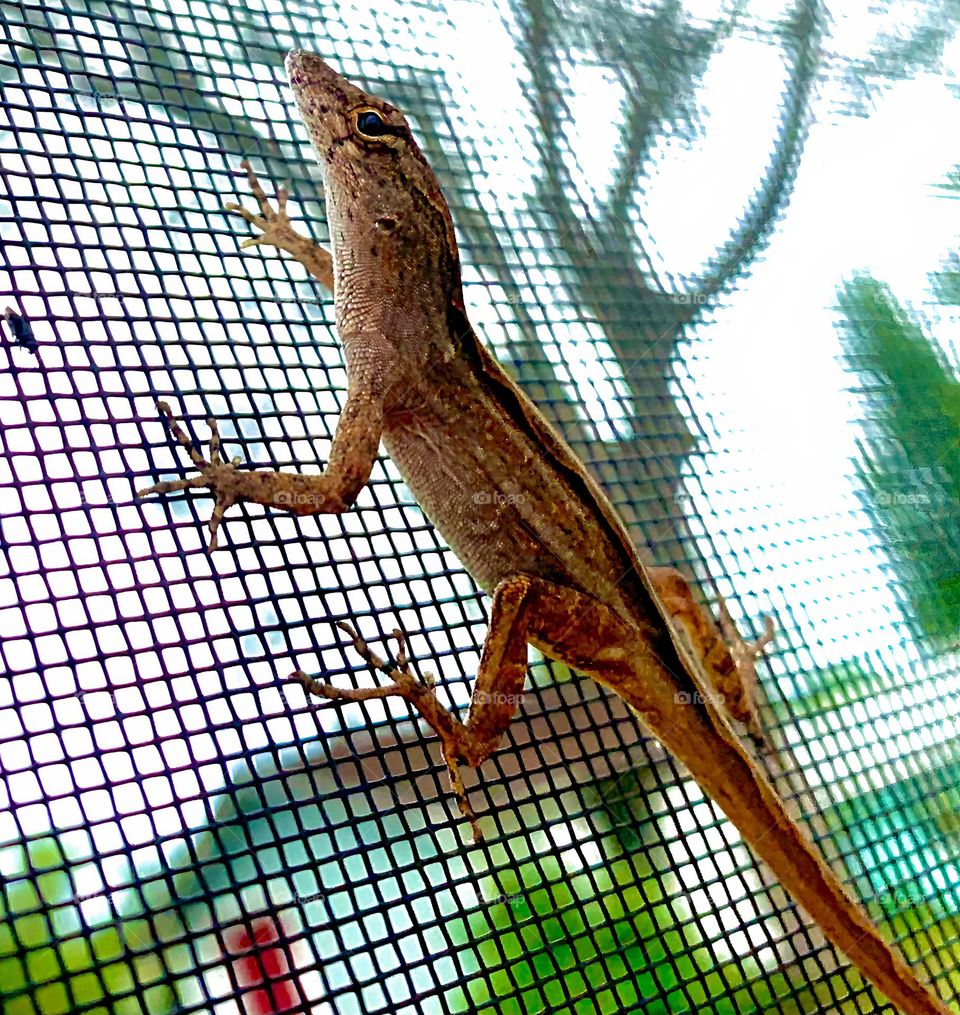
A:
[717,244]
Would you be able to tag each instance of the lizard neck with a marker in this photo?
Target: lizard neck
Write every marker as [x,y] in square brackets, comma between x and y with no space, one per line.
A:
[395,259]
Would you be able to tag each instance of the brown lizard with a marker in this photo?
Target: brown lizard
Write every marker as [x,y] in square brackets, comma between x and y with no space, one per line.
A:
[512,500]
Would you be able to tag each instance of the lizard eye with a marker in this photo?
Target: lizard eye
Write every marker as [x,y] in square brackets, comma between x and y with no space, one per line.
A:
[371,124]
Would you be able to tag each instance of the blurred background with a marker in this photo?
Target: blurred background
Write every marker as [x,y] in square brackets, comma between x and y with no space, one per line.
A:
[719,244]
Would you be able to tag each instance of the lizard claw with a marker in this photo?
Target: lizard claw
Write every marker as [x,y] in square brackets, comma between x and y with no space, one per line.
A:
[404,682]
[276,230]
[216,475]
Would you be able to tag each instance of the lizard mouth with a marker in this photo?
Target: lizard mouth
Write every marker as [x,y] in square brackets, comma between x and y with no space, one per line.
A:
[299,63]
[319,90]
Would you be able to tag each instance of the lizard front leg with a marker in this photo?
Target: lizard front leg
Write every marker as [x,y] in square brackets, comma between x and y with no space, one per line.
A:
[370,364]
[277,231]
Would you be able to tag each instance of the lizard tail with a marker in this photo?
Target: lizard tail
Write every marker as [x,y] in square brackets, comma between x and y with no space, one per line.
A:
[697,734]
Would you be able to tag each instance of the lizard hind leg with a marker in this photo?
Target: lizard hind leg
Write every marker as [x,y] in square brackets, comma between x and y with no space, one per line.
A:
[419,693]
[563,622]
[496,694]
[728,660]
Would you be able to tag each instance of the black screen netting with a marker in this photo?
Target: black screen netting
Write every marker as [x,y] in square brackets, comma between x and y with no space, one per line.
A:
[717,243]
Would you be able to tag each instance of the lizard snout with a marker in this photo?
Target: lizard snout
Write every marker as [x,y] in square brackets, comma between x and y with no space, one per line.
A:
[304,67]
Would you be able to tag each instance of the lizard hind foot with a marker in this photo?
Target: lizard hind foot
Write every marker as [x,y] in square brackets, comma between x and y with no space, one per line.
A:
[419,692]
[745,654]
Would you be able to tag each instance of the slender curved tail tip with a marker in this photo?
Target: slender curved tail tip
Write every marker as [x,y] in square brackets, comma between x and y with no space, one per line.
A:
[755,807]
[817,889]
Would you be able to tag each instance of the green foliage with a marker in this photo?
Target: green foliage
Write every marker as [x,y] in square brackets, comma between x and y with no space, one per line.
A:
[901,835]
[904,48]
[910,457]
[946,284]
[53,960]
[614,938]
[821,690]
[618,936]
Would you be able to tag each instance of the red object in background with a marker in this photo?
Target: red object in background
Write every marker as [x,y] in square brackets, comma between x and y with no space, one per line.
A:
[257,963]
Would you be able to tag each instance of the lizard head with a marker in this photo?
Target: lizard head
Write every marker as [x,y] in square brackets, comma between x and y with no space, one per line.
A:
[390,226]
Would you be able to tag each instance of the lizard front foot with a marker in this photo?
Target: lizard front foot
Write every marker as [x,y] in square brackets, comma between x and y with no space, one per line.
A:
[274,223]
[217,475]
[455,738]
[276,230]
